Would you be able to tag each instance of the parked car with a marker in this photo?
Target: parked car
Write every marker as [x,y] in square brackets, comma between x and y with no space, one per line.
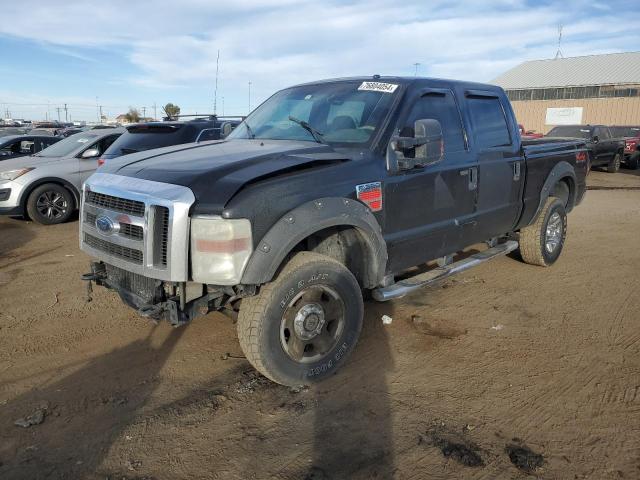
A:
[528,134]
[631,136]
[46,186]
[606,150]
[68,131]
[14,146]
[149,135]
[327,189]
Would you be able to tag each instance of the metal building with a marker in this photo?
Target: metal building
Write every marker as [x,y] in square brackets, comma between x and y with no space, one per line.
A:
[596,89]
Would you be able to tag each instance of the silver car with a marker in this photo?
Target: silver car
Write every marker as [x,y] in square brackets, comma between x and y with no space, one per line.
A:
[46,186]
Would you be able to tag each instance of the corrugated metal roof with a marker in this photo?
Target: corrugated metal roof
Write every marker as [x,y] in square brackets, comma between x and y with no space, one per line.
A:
[610,69]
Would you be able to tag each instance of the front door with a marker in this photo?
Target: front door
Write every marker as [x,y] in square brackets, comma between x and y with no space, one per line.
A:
[427,207]
[500,164]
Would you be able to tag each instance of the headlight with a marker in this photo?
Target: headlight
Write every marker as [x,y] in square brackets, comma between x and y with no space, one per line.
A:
[220,249]
[13,174]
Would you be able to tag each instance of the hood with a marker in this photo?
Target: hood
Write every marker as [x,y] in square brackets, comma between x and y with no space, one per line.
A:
[215,171]
[27,161]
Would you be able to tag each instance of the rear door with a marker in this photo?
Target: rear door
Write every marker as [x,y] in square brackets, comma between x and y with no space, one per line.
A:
[606,147]
[427,206]
[500,164]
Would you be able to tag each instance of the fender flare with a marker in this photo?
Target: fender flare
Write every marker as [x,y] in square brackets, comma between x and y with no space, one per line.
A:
[561,171]
[307,219]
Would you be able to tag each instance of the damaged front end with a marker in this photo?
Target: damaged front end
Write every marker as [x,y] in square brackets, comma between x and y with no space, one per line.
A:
[176,302]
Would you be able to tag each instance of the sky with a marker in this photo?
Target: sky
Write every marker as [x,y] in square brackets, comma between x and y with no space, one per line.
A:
[122,53]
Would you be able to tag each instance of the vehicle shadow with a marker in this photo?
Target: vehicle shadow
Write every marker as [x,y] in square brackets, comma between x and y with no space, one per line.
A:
[14,233]
[85,412]
[353,427]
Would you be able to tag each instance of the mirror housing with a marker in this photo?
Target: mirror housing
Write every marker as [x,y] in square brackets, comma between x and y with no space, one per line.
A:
[595,139]
[425,147]
[91,153]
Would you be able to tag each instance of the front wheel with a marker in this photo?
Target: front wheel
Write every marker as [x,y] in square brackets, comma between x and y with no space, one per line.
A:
[303,325]
[614,164]
[541,242]
[634,161]
[50,204]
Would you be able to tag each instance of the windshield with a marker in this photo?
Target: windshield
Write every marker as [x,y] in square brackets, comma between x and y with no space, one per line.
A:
[69,145]
[625,131]
[569,132]
[340,114]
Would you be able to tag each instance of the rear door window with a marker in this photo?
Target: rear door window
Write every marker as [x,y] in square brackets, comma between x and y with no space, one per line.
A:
[489,122]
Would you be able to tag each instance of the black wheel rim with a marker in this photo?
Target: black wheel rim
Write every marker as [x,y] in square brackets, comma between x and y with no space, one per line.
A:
[52,205]
[312,324]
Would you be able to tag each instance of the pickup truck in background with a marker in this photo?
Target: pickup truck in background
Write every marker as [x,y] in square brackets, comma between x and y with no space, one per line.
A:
[631,137]
[326,190]
[605,149]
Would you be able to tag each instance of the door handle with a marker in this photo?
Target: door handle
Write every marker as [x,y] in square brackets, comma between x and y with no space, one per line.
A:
[516,171]
[472,174]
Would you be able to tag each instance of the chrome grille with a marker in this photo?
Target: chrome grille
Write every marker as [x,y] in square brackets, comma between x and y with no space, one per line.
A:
[154,241]
[130,254]
[117,204]
[160,235]
[128,230]
[132,231]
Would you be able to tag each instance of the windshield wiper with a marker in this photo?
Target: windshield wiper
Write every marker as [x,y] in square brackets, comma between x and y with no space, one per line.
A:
[249,130]
[314,133]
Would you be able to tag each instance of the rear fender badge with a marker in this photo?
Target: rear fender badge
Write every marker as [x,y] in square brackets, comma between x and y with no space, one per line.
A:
[371,195]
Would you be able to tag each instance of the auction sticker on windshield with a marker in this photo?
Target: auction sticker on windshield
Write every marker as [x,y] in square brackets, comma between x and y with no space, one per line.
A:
[378,87]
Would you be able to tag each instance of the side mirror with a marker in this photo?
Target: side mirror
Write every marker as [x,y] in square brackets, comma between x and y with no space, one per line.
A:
[424,148]
[596,139]
[91,153]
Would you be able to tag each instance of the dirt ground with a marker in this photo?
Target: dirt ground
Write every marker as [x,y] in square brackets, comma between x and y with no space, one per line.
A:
[507,371]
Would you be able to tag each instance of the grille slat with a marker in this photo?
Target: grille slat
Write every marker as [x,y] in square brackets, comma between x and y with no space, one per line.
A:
[117,204]
[135,232]
[126,253]
[132,231]
[160,235]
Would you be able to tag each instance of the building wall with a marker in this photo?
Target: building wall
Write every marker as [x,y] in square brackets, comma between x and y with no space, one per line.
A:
[605,111]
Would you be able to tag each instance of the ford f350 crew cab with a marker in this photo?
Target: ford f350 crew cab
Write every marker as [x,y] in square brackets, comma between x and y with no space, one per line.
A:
[327,190]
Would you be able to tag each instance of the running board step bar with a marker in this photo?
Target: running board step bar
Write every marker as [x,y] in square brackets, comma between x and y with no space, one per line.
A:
[402,288]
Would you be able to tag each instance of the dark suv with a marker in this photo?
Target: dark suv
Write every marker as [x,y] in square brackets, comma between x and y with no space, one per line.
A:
[150,135]
[606,150]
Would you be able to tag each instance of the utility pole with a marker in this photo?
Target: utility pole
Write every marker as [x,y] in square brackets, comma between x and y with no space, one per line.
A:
[417,64]
[58,109]
[559,52]
[155,117]
[144,112]
[215,92]
[100,113]
[98,110]
[223,106]
[66,113]
[249,96]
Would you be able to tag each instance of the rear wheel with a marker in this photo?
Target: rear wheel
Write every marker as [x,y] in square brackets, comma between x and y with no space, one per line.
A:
[50,204]
[303,325]
[541,242]
[634,161]
[614,163]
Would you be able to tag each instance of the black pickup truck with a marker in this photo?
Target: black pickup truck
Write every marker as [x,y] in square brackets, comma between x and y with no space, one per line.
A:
[325,191]
[605,149]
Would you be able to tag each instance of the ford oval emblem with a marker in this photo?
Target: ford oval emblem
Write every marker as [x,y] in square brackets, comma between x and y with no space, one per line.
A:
[105,225]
